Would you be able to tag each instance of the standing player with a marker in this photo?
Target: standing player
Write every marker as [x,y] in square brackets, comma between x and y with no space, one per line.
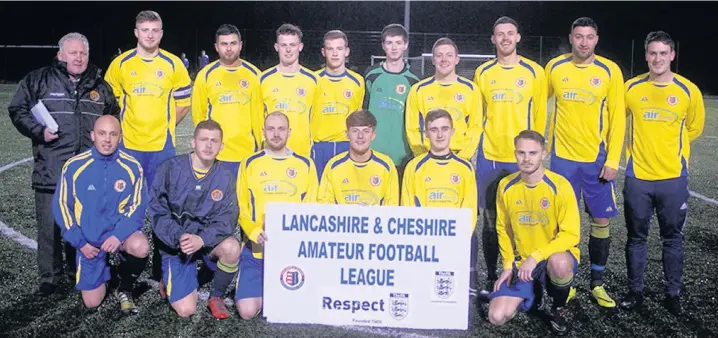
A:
[451,92]
[275,174]
[289,88]
[387,86]
[361,175]
[193,207]
[538,225]
[513,92]
[666,113]
[153,90]
[228,91]
[340,91]
[586,137]
[442,173]
[99,205]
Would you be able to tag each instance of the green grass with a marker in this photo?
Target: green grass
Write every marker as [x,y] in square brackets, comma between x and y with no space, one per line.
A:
[24,315]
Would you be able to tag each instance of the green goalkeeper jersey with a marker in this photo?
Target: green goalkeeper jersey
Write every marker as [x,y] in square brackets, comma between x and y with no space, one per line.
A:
[385,97]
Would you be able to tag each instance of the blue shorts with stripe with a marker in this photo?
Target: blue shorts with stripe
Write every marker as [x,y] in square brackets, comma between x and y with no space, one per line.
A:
[599,196]
[250,283]
[150,160]
[322,152]
[91,273]
[488,171]
[179,272]
[525,290]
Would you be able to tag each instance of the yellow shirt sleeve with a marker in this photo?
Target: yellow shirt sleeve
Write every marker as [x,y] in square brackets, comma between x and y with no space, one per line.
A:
[470,198]
[326,193]
[503,230]
[568,221]
[411,117]
[200,108]
[696,118]
[474,128]
[181,83]
[549,94]
[247,215]
[313,188]
[392,196]
[540,103]
[616,105]
[407,187]
[113,76]
[258,114]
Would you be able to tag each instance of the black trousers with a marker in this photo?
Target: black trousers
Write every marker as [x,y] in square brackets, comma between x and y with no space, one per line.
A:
[50,243]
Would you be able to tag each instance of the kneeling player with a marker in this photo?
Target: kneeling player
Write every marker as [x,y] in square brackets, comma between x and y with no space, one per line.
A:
[104,190]
[440,178]
[194,214]
[361,175]
[538,227]
[275,174]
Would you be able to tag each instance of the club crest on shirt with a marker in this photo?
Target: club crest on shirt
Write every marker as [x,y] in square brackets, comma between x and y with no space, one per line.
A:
[595,81]
[672,100]
[291,173]
[120,185]
[375,180]
[520,82]
[400,89]
[217,195]
[160,73]
[455,178]
[94,96]
[544,203]
[348,94]
[301,91]
[243,83]
[459,97]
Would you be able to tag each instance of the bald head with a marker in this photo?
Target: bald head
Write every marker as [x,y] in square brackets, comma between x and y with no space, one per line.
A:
[106,134]
[276,131]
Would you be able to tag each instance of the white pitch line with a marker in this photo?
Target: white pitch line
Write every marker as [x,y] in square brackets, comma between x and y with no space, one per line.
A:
[21,239]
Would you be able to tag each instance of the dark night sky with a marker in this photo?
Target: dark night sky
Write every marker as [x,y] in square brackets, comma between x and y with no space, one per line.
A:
[189,26]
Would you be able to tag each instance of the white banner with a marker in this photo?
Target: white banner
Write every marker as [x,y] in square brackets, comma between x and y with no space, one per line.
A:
[375,266]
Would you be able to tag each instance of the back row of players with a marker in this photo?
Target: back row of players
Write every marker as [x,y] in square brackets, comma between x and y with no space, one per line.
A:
[508,95]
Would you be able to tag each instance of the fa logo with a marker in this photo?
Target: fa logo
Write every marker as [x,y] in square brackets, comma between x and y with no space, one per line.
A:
[443,284]
[160,74]
[459,97]
[291,173]
[672,100]
[243,83]
[375,180]
[455,178]
[120,185]
[347,94]
[520,82]
[595,81]
[400,89]
[217,195]
[398,305]
[94,96]
[300,92]
[544,203]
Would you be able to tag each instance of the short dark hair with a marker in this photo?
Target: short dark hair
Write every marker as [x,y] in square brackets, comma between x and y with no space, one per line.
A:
[208,125]
[584,21]
[335,34]
[394,29]
[289,29]
[361,118]
[148,15]
[444,42]
[660,36]
[505,19]
[436,114]
[531,135]
[227,29]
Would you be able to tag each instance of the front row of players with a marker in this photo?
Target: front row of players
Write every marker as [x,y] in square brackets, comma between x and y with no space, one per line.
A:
[195,202]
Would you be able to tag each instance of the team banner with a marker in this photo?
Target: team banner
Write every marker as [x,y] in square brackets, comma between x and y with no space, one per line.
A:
[359,265]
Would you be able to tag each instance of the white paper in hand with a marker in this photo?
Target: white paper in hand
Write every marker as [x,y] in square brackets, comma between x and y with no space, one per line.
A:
[42,115]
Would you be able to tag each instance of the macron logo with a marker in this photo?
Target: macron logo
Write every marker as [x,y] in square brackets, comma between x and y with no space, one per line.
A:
[91,187]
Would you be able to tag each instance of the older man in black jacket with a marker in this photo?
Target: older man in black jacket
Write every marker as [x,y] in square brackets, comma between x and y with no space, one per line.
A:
[75,95]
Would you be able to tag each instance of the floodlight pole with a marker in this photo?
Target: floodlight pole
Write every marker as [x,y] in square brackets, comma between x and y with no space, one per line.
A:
[407,17]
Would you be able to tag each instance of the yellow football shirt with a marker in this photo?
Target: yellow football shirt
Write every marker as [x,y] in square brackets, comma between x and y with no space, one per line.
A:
[375,182]
[336,97]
